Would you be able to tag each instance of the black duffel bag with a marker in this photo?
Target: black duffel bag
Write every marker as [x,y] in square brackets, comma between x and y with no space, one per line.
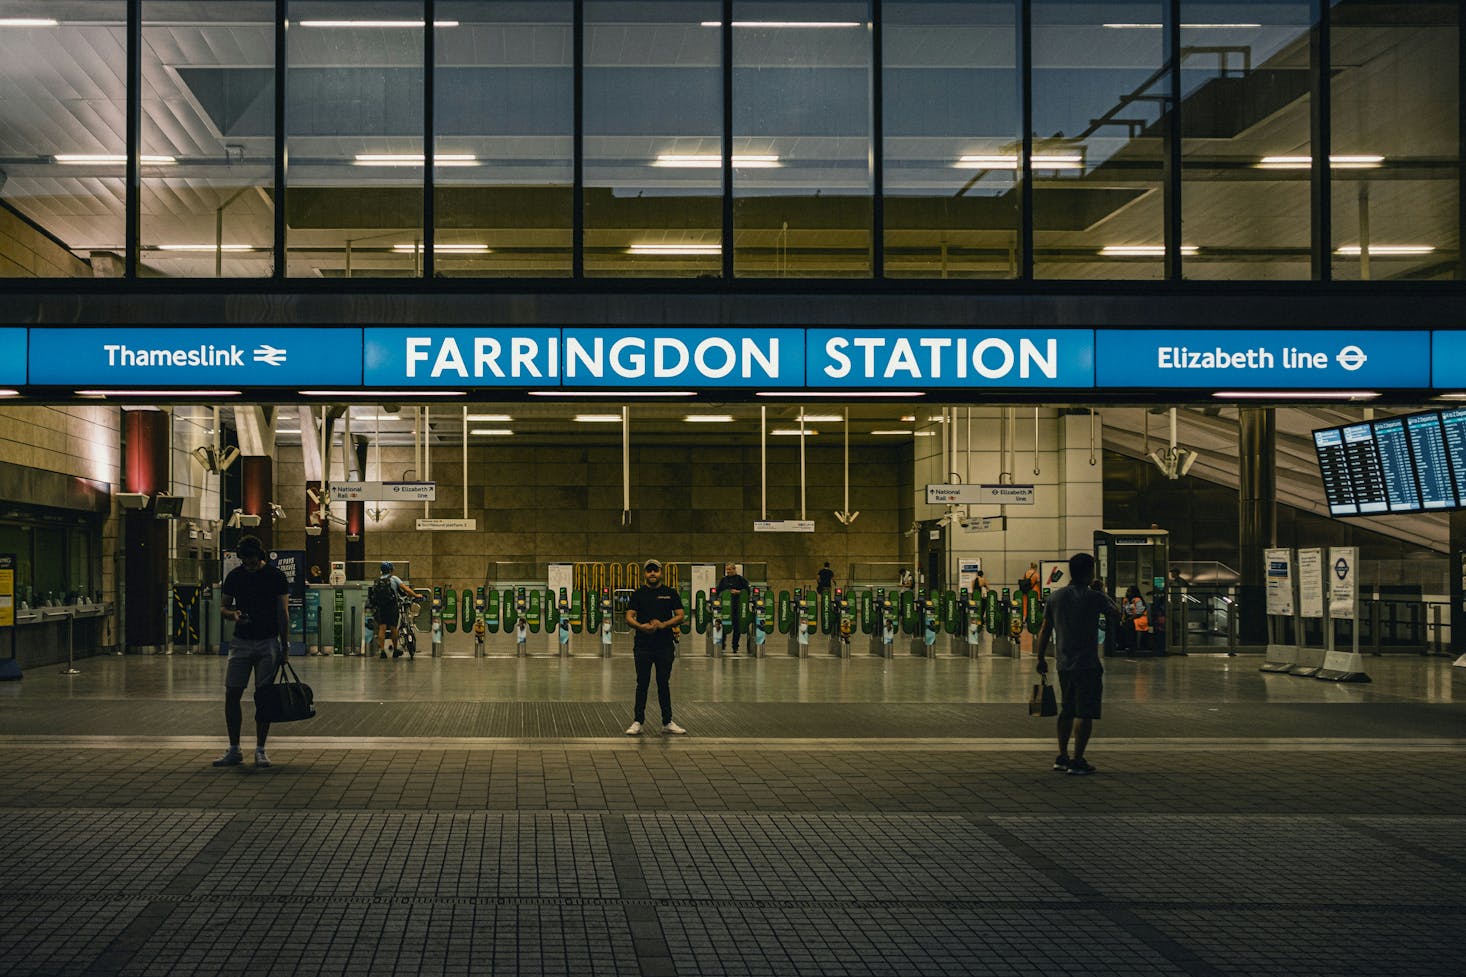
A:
[285,700]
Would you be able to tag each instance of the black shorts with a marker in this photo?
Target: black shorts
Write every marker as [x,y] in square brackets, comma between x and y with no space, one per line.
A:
[387,617]
[1082,689]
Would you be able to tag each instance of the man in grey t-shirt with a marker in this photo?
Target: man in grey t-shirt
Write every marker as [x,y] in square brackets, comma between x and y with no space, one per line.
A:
[1071,616]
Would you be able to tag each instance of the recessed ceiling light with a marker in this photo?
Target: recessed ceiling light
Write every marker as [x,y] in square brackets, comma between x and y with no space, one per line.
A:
[1297,394]
[206,247]
[675,249]
[597,418]
[709,418]
[110,159]
[413,159]
[786,23]
[158,393]
[908,418]
[1189,27]
[708,161]
[619,394]
[491,418]
[494,432]
[841,394]
[820,418]
[384,394]
[1387,249]
[9,393]
[28,22]
[895,431]
[287,430]
[794,432]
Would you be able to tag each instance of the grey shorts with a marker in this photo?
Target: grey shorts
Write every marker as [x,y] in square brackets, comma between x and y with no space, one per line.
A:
[247,655]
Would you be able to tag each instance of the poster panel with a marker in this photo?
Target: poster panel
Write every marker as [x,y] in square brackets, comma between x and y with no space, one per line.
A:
[1343,582]
[1310,583]
[1279,581]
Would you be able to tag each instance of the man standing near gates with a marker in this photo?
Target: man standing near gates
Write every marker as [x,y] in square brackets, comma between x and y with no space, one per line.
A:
[654,611]
[254,598]
[385,598]
[1071,617]
[733,586]
[825,579]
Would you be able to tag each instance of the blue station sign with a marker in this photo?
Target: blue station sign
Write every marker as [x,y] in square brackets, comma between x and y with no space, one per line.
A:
[1274,359]
[12,357]
[461,357]
[1448,360]
[900,359]
[190,357]
[689,358]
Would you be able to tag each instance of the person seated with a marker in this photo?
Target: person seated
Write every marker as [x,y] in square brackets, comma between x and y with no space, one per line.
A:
[1134,621]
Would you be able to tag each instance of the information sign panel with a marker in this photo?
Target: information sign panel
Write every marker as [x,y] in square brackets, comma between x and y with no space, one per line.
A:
[1333,468]
[1432,465]
[1279,581]
[1343,582]
[1393,446]
[1362,461]
[1310,583]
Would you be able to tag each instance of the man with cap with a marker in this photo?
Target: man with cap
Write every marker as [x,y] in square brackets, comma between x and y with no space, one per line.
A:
[733,586]
[654,612]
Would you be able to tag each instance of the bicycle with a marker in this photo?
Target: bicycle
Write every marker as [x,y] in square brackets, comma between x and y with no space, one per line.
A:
[407,608]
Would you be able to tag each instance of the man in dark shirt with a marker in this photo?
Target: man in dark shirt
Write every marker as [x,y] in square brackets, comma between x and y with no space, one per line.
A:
[254,598]
[1071,619]
[825,580]
[653,612]
[733,586]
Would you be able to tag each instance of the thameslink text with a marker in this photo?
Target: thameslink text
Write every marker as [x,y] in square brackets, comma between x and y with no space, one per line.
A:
[202,355]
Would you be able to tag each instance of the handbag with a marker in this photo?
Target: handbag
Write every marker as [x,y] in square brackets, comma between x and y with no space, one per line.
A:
[1042,702]
[285,700]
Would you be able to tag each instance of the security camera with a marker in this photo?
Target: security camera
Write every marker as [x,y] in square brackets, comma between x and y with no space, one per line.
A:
[1189,459]
[277,511]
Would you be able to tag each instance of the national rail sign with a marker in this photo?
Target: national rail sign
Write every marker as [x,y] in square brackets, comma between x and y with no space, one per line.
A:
[384,491]
[979,495]
[784,526]
[195,356]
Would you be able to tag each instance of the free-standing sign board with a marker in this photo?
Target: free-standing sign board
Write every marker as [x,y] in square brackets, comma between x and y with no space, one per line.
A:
[1279,581]
[1310,583]
[1343,582]
[7,590]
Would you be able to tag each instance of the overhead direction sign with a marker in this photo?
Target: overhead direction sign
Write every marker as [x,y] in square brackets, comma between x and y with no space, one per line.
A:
[979,495]
[872,359]
[784,526]
[384,491]
[194,356]
[1283,359]
[12,357]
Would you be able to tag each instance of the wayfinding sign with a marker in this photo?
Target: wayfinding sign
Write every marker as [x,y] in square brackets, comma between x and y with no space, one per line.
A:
[979,494]
[1310,583]
[12,357]
[191,357]
[1343,582]
[1279,592]
[1280,359]
[384,492]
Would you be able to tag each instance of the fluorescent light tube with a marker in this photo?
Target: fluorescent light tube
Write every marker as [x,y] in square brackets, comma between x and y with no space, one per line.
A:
[843,394]
[1387,249]
[373,23]
[673,249]
[786,23]
[493,432]
[442,248]
[490,418]
[109,159]
[895,431]
[1156,27]
[1356,161]
[158,393]
[597,418]
[708,161]
[1141,250]
[1297,394]
[384,394]
[793,432]
[28,22]
[621,394]
[1006,161]
[709,418]
[821,418]
[414,159]
[211,248]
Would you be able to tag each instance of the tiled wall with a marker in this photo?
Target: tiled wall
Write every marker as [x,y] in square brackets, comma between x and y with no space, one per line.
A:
[27,253]
[698,504]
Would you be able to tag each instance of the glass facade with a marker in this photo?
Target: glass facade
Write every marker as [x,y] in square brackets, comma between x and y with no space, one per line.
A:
[841,140]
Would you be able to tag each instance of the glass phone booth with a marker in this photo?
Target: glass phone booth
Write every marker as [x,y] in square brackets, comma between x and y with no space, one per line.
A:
[1139,558]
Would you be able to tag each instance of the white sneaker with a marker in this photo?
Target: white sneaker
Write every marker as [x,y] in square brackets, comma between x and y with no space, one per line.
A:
[260,759]
[634,729]
[673,729]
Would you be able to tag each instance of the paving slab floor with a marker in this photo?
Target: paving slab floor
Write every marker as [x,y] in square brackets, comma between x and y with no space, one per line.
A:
[822,816]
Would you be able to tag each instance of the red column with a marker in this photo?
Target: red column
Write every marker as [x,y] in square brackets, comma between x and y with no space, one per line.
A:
[257,487]
[356,541]
[317,547]
[145,537]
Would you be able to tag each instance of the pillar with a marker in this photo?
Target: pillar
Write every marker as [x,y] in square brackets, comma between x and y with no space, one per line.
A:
[317,546]
[256,490]
[1257,517]
[1456,572]
[145,435]
[356,542]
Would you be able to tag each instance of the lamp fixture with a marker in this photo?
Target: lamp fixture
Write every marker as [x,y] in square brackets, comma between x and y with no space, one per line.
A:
[9,393]
[841,394]
[131,500]
[597,418]
[1295,394]
[385,394]
[712,161]
[708,418]
[493,432]
[414,159]
[619,394]
[1142,250]
[764,24]
[210,248]
[417,248]
[240,519]
[1189,27]
[167,506]
[1386,250]
[110,159]
[820,418]
[674,249]
[1358,161]
[1007,161]
[499,418]
[793,432]
[374,23]
[895,431]
[158,393]
[215,462]
[28,22]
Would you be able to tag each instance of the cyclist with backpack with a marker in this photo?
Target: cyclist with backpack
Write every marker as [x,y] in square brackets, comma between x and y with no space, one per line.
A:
[385,600]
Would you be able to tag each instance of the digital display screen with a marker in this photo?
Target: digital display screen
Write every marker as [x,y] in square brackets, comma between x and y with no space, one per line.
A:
[1362,459]
[1338,491]
[1411,463]
[1432,464]
[1393,447]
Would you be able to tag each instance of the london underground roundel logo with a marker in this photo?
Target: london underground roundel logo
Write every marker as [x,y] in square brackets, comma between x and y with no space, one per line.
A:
[1351,358]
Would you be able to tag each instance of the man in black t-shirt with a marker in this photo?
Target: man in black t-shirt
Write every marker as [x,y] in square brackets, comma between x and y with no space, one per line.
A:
[825,579]
[254,598]
[1071,618]
[733,586]
[653,612]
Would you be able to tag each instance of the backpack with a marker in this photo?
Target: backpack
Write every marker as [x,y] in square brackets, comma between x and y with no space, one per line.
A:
[380,597]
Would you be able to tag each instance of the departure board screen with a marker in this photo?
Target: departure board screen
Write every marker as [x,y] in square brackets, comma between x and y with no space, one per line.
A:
[1362,460]
[1432,465]
[1338,491]
[1393,446]
[1453,426]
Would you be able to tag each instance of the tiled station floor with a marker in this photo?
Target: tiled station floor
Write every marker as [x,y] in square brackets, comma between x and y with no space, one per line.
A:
[823,816]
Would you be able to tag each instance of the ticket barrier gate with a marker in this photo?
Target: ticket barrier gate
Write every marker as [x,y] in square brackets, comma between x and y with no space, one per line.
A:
[342,623]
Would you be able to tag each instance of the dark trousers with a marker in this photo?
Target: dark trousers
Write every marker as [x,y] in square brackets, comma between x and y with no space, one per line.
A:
[662,658]
[735,627]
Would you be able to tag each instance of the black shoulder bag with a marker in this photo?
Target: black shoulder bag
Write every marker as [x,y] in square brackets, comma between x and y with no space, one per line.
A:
[286,700]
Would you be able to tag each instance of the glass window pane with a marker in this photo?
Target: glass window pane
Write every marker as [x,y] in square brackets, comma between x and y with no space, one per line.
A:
[1098,102]
[1245,198]
[653,138]
[505,103]
[354,128]
[801,139]
[952,138]
[1396,114]
[209,105]
[63,125]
